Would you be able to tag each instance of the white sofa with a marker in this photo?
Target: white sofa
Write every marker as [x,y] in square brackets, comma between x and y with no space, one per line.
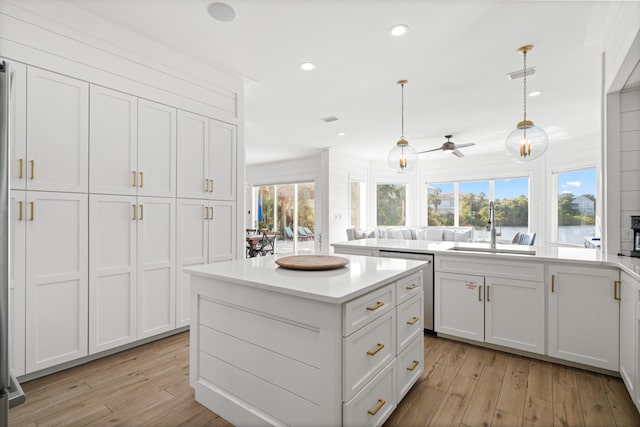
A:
[433,234]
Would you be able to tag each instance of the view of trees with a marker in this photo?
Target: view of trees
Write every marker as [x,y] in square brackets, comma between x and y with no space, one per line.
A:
[391,209]
[433,216]
[285,200]
[568,214]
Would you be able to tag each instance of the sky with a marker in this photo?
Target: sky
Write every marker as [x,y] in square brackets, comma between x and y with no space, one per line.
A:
[577,182]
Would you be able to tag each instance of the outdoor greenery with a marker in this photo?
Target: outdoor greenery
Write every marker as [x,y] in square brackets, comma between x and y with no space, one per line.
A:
[569,215]
[391,209]
[355,204]
[285,200]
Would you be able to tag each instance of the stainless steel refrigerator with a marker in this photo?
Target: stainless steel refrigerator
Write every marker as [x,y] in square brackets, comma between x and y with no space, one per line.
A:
[10,391]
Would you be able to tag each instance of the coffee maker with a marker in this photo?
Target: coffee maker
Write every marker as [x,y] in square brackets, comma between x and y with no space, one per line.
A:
[635,225]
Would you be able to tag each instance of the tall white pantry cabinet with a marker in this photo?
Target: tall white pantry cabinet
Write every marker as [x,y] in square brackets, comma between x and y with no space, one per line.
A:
[103,218]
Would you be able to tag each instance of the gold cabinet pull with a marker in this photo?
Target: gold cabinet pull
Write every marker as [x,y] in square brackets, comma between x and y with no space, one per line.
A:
[479,293]
[135,212]
[412,287]
[141,179]
[20,164]
[141,212]
[375,307]
[211,213]
[211,186]
[135,179]
[413,366]
[488,299]
[553,283]
[379,347]
[375,410]
[206,212]
[20,210]
[32,213]
[616,294]
[33,169]
[206,185]
[413,320]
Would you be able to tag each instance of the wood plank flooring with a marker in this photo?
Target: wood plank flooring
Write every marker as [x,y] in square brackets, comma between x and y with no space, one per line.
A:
[462,385]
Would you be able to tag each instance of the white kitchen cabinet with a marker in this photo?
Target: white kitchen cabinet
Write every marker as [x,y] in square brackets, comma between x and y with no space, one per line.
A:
[459,305]
[629,294]
[18,124]
[56,278]
[222,160]
[206,158]
[112,271]
[514,314]
[204,235]
[156,149]
[583,319]
[57,132]
[114,142]
[636,396]
[17,271]
[156,287]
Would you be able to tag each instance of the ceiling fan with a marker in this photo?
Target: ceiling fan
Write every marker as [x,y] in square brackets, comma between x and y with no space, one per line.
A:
[450,146]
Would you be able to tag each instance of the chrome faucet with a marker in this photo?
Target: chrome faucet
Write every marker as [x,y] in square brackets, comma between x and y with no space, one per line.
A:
[491,225]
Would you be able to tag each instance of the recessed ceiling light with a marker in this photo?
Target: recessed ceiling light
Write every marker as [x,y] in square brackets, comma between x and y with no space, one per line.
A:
[399,30]
[342,133]
[535,93]
[307,66]
[221,12]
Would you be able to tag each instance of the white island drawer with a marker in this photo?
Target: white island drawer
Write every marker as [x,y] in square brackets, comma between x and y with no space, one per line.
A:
[362,310]
[410,321]
[366,352]
[410,366]
[373,405]
[408,287]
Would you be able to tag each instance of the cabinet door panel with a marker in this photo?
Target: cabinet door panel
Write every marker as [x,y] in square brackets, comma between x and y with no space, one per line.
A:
[193,246]
[514,314]
[17,283]
[57,132]
[628,291]
[156,266]
[56,279]
[222,160]
[18,116]
[156,149]
[114,141]
[193,140]
[222,227]
[112,272]
[584,316]
[459,305]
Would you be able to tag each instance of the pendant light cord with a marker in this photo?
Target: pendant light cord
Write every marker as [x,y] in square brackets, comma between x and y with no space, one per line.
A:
[524,94]
[402,111]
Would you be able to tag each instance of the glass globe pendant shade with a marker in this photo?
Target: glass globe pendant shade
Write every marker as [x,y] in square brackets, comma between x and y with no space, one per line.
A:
[526,143]
[403,157]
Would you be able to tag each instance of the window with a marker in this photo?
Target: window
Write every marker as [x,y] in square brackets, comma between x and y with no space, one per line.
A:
[391,204]
[441,204]
[466,204]
[576,205]
[356,203]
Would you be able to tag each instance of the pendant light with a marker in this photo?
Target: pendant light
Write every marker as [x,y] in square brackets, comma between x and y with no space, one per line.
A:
[527,142]
[403,157]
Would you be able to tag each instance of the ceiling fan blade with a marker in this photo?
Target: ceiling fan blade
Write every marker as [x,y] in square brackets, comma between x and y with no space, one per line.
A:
[457,153]
[465,145]
[428,151]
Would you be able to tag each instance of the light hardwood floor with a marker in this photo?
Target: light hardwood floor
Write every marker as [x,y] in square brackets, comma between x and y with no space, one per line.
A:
[462,385]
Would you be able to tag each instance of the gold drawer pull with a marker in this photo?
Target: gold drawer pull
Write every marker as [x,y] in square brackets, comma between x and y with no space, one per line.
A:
[553,283]
[141,179]
[375,410]
[32,211]
[135,179]
[488,296]
[379,347]
[375,307]
[413,366]
[20,162]
[211,186]
[33,169]
[135,212]
[206,212]
[210,213]
[206,185]
[20,210]
[412,287]
[616,295]
[413,320]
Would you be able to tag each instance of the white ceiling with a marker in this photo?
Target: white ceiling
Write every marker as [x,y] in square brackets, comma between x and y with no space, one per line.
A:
[455,56]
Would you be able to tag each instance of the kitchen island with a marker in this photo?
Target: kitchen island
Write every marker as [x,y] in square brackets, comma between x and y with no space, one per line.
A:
[271,346]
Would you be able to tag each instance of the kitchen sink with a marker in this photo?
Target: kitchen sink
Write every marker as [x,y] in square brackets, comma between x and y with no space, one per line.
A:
[499,249]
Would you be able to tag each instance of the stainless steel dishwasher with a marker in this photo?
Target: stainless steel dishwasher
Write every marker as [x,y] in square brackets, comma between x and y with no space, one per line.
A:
[427,280]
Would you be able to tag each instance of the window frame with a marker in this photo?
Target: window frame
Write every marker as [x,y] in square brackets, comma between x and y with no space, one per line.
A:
[407,203]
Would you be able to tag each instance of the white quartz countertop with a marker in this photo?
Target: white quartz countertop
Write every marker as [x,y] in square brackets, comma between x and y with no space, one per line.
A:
[358,277]
[547,253]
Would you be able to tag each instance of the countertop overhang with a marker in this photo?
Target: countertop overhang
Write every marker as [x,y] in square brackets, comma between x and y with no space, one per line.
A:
[361,275]
[548,253]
